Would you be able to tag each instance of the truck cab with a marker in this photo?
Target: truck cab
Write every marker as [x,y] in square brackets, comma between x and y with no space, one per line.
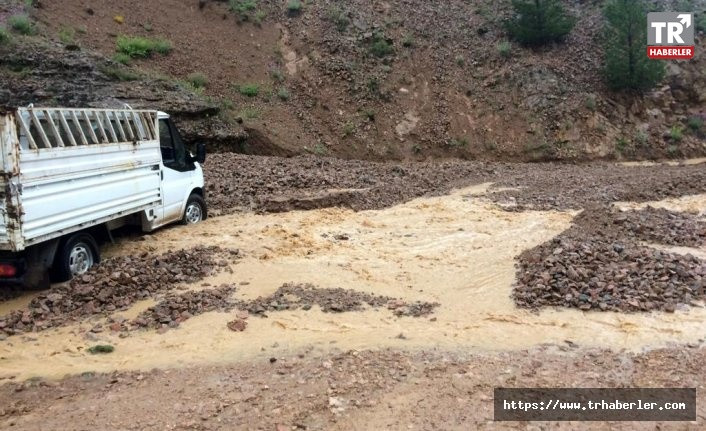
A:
[70,176]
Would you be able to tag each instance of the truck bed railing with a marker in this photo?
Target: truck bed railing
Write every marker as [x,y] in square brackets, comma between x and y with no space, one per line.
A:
[67,127]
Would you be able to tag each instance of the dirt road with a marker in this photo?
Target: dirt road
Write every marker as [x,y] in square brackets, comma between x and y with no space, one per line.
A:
[354,364]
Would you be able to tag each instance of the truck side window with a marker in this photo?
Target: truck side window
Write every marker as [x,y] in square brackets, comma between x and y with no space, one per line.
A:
[166,143]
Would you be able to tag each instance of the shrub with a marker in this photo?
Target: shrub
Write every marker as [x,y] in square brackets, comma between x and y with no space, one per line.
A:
[249,90]
[626,65]
[701,22]
[259,17]
[295,6]
[695,123]
[277,75]
[348,129]
[538,22]
[591,103]
[459,142]
[460,61]
[505,49]
[21,24]
[4,36]
[408,41]
[121,58]
[676,133]
[369,114]
[197,80]
[242,8]
[283,94]
[339,18]
[380,47]
[143,47]
[66,35]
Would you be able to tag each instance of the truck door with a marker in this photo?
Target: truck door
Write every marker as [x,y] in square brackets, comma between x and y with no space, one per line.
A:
[177,172]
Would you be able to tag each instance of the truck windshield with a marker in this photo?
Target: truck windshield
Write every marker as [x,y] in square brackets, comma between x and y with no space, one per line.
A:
[173,151]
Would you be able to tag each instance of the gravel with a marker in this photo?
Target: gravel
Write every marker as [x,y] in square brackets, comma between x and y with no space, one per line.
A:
[600,264]
[115,285]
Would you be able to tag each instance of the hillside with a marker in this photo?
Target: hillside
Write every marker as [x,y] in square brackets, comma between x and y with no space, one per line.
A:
[395,79]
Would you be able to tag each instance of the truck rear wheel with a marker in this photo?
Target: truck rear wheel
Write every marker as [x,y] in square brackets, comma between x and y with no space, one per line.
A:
[195,211]
[75,256]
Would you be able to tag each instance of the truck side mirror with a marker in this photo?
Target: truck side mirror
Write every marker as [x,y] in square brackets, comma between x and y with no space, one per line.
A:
[200,153]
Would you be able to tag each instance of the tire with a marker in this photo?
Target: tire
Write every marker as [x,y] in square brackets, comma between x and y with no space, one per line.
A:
[75,256]
[195,210]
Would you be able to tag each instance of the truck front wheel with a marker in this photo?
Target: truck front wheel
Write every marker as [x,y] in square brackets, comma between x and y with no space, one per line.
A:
[195,211]
[75,256]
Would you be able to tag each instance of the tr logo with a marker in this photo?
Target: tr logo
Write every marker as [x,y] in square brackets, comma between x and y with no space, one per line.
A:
[670,35]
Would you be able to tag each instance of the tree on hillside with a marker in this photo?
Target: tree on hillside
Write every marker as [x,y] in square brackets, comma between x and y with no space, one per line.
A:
[626,63]
[538,22]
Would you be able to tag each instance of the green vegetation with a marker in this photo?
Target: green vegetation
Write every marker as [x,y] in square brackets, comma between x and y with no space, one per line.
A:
[459,142]
[701,22]
[197,80]
[260,16]
[277,75]
[348,129]
[119,73]
[626,65]
[369,114]
[67,35]
[295,6]
[380,47]
[243,8]
[249,90]
[283,94]
[539,22]
[101,348]
[4,36]
[676,133]
[408,41]
[621,145]
[460,61]
[695,123]
[505,49]
[591,103]
[142,47]
[318,149]
[249,113]
[122,58]
[339,18]
[21,24]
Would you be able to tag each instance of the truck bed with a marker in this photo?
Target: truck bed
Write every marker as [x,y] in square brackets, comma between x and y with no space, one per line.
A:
[59,175]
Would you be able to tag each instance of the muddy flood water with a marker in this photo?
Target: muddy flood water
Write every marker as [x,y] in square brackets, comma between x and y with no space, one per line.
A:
[458,250]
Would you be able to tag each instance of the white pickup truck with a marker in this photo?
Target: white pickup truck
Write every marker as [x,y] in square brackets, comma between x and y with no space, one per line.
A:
[68,177]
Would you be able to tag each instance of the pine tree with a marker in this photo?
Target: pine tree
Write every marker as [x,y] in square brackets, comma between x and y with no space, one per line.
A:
[626,63]
[538,22]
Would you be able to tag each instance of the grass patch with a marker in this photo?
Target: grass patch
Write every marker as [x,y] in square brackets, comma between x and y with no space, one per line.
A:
[283,94]
[67,35]
[591,103]
[368,114]
[695,123]
[277,75]
[249,90]
[460,61]
[242,8]
[260,16]
[505,49]
[295,6]
[459,143]
[100,349]
[249,113]
[339,18]
[21,24]
[408,41]
[380,47]
[122,58]
[197,80]
[621,145]
[676,133]
[4,36]
[348,129]
[142,47]
[119,73]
